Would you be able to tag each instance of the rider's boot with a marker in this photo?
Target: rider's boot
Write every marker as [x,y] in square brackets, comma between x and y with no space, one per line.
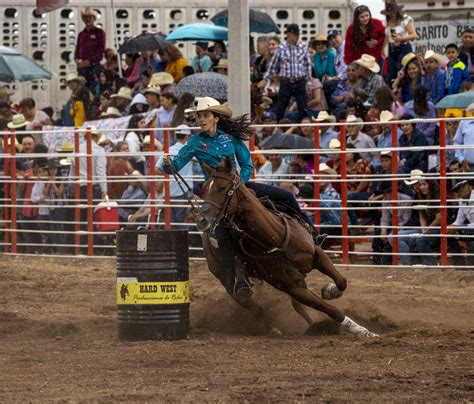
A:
[242,286]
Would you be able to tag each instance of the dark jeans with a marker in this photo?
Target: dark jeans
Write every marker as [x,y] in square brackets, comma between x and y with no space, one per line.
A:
[178,215]
[395,56]
[288,90]
[59,238]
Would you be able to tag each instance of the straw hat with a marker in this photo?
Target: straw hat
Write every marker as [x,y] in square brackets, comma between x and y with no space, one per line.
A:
[153,90]
[161,79]
[18,121]
[391,6]
[202,104]
[321,38]
[4,91]
[88,11]
[75,77]
[334,144]
[369,62]
[408,58]
[386,153]
[385,116]
[112,112]
[353,119]
[323,116]
[433,55]
[470,108]
[158,145]
[223,64]
[66,147]
[136,173]
[323,167]
[415,176]
[124,92]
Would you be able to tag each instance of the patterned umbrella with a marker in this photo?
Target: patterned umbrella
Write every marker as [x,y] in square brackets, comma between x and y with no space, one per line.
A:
[258,21]
[17,67]
[208,84]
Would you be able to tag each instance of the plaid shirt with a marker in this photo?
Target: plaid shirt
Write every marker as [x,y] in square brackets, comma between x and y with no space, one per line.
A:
[292,61]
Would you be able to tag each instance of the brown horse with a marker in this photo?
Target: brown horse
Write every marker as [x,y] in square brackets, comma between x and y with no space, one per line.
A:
[275,247]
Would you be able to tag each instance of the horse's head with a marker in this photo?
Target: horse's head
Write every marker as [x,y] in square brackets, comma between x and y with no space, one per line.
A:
[217,193]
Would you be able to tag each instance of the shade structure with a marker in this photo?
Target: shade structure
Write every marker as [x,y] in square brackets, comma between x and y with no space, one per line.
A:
[198,32]
[15,66]
[461,100]
[259,21]
[208,84]
[286,141]
[145,41]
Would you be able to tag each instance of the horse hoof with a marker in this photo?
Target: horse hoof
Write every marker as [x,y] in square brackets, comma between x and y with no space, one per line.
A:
[330,292]
[275,332]
[370,334]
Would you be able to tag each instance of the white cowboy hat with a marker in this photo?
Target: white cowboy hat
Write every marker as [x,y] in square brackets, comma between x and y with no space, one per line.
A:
[183,129]
[139,99]
[111,111]
[75,77]
[18,121]
[202,104]
[323,167]
[353,119]
[158,145]
[152,89]
[334,144]
[470,108]
[386,153]
[415,176]
[433,55]
[323,116]
[66,147]
[4,91]
[89,11]
[124,92]
[368,62]
[385,116]
[161,79]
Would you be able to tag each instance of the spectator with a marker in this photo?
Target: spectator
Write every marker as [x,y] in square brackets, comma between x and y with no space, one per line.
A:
[384,140]
[104,102]
[451,128]
[152,94]
[465,137]
[400,32]
[337,44]
[323,60]
[384,101]
[411,137]
[435,76]
[39,195]
[118,167]
[326,133]
[360,140]
[19,124]
[294,64]
[174,60]
[165,113]
[133,196]
[343,91]
[133,61]
[366,35]
[268,118]
[368,71]
[35,117]
[122,100]
[456,71]
[420,107]
[90,47]
[201,62]
[221,67]
[112,113]
[104,80]
[466,52]
[409,77]
[275,169]
[134,139]
[263,59]
[111,60]
[146,148]
[78,106]
[5,94]
[273,43]
[138,105]
[151,63]
[178,213]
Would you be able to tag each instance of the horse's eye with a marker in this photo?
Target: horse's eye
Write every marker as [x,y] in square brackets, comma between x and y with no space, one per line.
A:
[221,189]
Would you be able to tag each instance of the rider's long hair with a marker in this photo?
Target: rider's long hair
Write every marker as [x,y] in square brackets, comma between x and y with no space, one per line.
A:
[238,127]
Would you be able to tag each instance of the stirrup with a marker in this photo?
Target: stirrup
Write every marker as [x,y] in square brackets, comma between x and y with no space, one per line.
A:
[320,239]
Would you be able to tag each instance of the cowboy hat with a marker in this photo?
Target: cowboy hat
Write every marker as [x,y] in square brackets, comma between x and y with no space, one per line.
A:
[408,58]
[112,112]
[124,92]
[369,62]
[470,108]
[321,38]
[415,176]
[334,144]
[158,145]
[391,6]
[183,130]
[161,79]
[139,99]
[202,104]
[433,55]
[66,147]
[223,64]
[460,184]
[4,91]
[88,11]
[323,116]
[386,153]
[353,119]
[75,77]
[385,116]
[18,121]
[153,90]
[323,167]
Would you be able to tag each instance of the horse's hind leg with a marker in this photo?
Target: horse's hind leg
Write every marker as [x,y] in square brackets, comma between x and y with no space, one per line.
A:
[258,311]
[323,264]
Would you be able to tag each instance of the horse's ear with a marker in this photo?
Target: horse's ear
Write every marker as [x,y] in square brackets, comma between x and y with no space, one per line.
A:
[208,169]
[228,164]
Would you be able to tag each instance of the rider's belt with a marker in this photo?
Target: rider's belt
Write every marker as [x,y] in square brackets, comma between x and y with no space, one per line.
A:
[293,79]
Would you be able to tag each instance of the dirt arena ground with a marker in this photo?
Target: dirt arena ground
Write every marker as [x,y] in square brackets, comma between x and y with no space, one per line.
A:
[58,341]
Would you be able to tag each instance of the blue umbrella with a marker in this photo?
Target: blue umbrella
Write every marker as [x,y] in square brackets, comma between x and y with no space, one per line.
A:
[461,100]
[17,67]
[259,21]
[198,32]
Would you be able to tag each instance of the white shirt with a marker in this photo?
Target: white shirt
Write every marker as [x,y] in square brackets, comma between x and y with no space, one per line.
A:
[400,29]
[186,172]
[465,212]
[133,142]
[99,166]
[37,196]
[266,172]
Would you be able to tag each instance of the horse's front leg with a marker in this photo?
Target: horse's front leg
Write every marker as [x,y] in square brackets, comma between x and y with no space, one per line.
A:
[324,265]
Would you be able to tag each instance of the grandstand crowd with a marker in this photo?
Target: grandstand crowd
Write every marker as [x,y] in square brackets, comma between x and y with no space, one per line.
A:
[367,74]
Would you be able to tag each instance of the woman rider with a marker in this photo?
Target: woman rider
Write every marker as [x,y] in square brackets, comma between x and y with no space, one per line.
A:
[223,136]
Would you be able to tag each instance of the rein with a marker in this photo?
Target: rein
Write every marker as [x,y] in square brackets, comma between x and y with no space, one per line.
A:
[189,192]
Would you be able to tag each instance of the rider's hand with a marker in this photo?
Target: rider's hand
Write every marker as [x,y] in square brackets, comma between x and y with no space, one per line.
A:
[167,160]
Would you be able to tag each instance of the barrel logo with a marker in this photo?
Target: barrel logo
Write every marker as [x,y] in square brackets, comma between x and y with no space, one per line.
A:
[131,291]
